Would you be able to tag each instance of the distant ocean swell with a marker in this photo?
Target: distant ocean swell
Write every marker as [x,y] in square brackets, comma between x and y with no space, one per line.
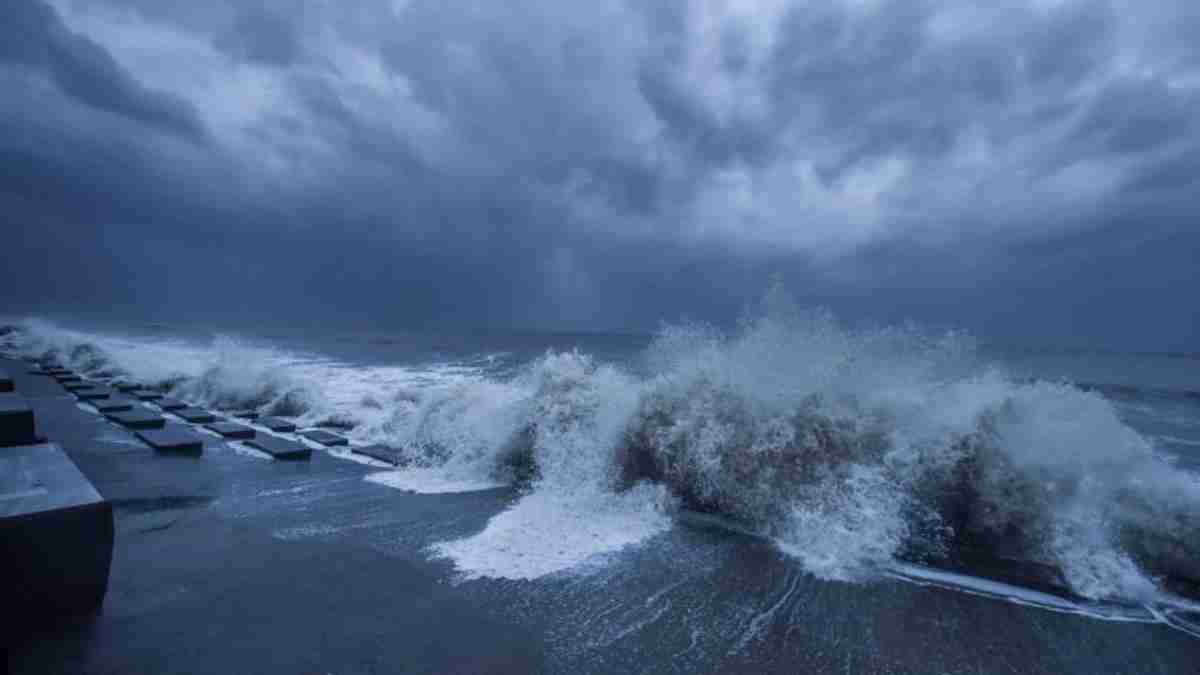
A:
[851,450]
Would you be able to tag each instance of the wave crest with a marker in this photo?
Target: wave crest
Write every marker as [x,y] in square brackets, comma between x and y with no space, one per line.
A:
[239,376]
[851,449]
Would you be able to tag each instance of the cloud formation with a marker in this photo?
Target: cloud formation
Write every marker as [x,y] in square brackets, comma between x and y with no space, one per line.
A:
[563,164]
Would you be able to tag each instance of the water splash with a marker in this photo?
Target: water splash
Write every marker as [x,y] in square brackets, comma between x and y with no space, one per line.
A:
[850,449]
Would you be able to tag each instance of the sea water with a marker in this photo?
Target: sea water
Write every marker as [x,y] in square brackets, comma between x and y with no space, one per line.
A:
[862,454]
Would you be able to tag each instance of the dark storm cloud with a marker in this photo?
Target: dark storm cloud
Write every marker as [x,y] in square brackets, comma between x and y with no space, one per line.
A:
[1135,116]
[32,35]
[544,164]
[262,36]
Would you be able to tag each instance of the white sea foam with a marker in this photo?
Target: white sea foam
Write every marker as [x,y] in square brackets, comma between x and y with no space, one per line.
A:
[850,449]
[1020,596]
[231,373]
[342,452]
[575,415]
[550,531]
[425,480]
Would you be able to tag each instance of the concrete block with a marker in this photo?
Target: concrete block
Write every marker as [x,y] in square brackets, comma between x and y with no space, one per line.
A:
[6,381]
[138,418]
[380,452]
[16,421]
[67,377]
[324,437]
[231,429]
[113,404]
[55,371]
[170,404]
[126,387]
[277,424]
[195,415]
[245,414]
[94,393]
[145,394]
[76,386]
[175,439]
[56,538]
[280,448]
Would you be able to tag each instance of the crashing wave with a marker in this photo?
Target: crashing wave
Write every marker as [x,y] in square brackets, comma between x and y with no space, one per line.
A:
[237,376]
[226,373]
[852,450]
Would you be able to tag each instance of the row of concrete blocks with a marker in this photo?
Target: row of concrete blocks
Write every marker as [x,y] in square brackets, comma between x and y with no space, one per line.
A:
[117,404]
[16,417]
[56,531]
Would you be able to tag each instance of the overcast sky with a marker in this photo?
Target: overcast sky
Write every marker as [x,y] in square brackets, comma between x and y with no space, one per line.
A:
[1024,169]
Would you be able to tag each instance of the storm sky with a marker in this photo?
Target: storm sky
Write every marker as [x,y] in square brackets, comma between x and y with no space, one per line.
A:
[1024,169]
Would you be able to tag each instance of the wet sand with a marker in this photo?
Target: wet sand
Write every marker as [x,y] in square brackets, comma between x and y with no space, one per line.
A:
[231,563]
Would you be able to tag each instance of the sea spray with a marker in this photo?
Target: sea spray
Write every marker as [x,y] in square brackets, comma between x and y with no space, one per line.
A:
[235,375]
[850,449]
[151,362]
[224,372]
[574,419]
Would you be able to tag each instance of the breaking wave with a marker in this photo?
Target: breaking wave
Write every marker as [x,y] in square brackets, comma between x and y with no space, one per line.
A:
[855,449]
[232,373]
[226,373]
[851,449]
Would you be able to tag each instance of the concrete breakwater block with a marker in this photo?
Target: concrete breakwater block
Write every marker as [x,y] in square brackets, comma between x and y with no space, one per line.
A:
[126,387]
[113,404]
[67,377]
[171,404]
[173,439]
[76,386]
[16,421]
[280,448]
[195,415]
[231,429]
[6,381]
[145,394]
[277,424]
[93,393]
[380,452]
[324,437]
[138,418]
[244,414]
[56,538]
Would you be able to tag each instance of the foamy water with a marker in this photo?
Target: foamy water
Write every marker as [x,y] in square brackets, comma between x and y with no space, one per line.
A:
[231,373]
[549,532]
[852,450]
[426,480]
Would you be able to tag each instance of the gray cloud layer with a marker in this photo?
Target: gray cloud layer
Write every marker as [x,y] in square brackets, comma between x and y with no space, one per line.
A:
[1021,167]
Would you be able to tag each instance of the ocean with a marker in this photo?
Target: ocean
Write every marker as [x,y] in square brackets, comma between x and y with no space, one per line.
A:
[1063,479]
